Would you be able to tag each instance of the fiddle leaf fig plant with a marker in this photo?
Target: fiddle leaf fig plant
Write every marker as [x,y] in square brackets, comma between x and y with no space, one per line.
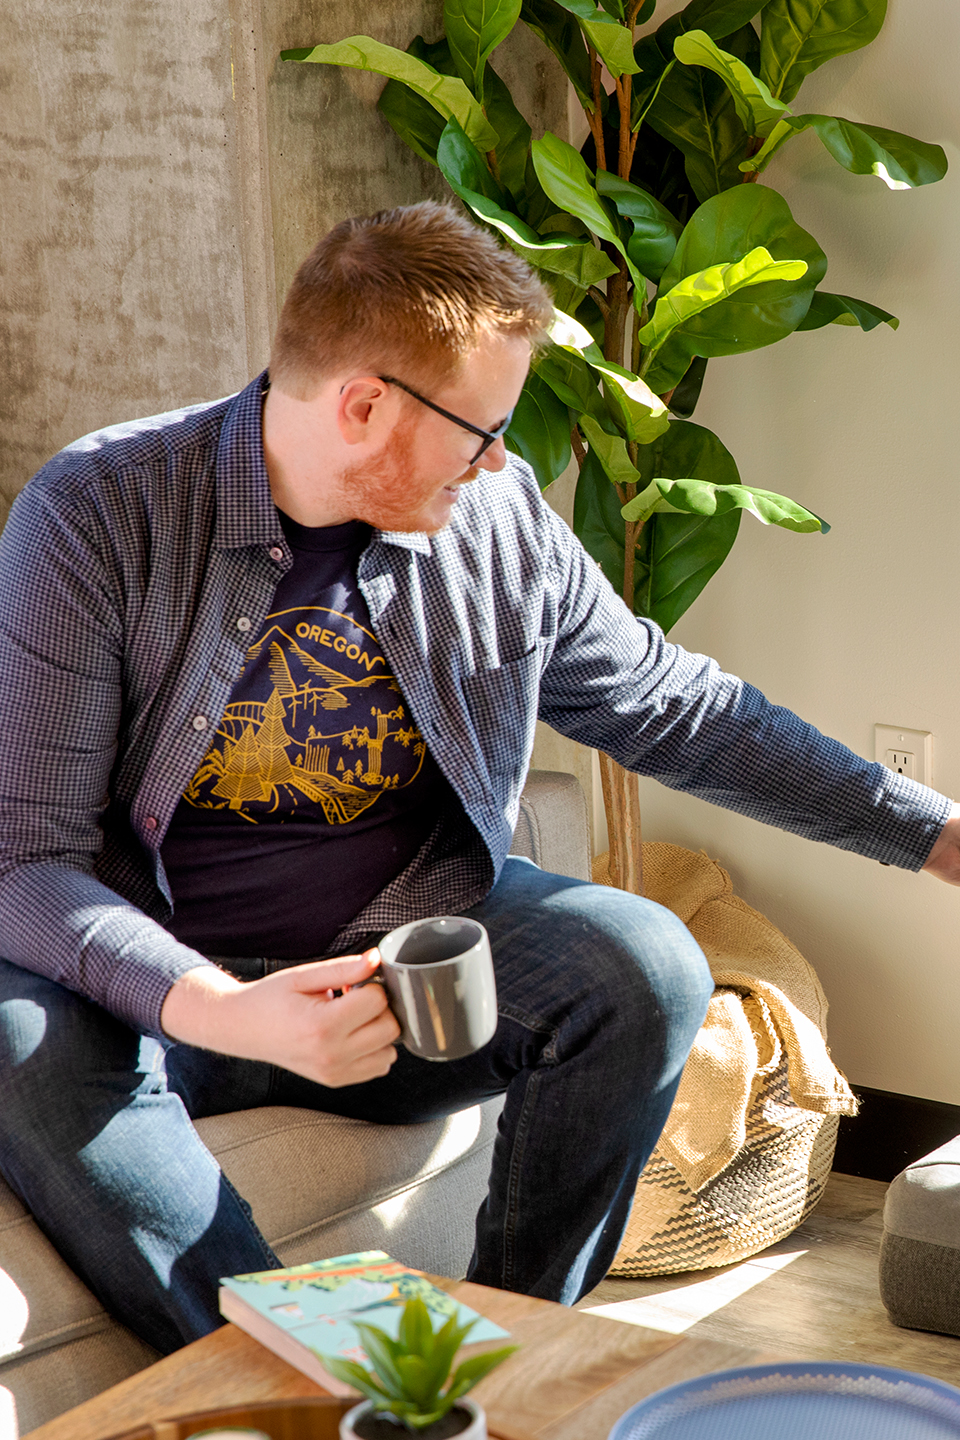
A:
[663,249]
[653,238]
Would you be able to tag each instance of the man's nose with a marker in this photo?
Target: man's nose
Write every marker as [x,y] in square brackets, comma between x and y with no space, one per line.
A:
[494,457]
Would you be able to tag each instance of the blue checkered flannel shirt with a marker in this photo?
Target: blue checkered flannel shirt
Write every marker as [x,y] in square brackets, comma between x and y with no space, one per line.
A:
[139,564]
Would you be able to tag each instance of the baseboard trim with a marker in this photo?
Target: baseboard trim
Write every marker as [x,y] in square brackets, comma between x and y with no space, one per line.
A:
[891,1132]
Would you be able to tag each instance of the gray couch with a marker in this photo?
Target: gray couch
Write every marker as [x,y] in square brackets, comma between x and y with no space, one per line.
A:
[920,1246]
[319,1185]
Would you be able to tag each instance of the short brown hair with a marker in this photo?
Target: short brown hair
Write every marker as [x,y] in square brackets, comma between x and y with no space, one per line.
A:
[407,292]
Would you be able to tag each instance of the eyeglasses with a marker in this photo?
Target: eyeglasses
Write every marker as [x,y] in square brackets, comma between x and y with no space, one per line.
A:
[488,436]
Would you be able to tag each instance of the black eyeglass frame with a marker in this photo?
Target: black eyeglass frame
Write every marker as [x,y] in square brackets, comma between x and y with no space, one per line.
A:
[488,436]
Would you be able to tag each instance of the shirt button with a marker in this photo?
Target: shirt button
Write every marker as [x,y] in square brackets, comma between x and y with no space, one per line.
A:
[150,823]
[243,623]
[199,722]
[275,552]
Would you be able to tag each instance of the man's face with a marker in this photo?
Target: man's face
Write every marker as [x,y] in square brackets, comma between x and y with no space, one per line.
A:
[413,483]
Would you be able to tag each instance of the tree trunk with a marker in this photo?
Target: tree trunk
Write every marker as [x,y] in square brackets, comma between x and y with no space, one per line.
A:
[621,801]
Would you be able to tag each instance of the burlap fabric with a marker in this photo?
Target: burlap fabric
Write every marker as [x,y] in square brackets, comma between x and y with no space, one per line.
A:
[749,1142]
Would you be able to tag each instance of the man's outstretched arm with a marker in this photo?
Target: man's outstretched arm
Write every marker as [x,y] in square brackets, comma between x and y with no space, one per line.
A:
[944,859]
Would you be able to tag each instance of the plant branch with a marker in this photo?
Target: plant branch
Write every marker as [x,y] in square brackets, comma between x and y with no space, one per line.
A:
[615,324]
[598,295]
[753,148]
[595,116]
[578,447]
[627,139]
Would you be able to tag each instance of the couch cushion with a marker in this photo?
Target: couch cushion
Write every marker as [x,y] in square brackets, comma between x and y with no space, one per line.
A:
[552,828]
[350,1163]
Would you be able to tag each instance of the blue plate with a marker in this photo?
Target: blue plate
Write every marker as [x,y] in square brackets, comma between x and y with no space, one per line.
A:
[810,1400]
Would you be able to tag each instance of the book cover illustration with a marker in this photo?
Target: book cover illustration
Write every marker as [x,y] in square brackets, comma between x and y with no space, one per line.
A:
[316,1304]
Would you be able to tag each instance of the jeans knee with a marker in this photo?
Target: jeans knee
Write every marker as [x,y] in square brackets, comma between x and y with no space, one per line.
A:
[23,1025]
[653,972]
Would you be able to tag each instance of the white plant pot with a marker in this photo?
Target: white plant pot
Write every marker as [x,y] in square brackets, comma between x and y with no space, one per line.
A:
[476,1430]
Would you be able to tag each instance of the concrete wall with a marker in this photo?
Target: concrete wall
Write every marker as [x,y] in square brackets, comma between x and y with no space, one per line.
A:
[162,174]
[120,221]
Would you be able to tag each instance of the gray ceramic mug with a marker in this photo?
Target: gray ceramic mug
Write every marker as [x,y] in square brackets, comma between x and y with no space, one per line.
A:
[438,976]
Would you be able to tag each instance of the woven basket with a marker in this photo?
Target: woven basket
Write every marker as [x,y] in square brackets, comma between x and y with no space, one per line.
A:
[777,1174]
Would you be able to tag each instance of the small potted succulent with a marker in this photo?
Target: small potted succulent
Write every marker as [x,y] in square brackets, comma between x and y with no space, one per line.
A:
[406,1389]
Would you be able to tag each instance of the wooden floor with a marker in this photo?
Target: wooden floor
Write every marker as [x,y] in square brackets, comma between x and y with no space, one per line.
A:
[813,1296]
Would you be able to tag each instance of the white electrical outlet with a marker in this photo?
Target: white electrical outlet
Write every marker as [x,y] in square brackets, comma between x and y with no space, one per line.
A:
[908,752]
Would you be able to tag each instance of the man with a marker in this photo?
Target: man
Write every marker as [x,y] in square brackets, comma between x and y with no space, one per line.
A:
[270,673]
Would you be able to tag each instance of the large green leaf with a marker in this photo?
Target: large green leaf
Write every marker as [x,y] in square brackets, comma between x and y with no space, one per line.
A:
[611,451]
[445,93]
[597,521]
[560,32]
[568,180]
[718,18]
[704,497]
[686,393]
[418,123]
[798,36]
[677,554]
[827,309]
[567,330]
[513,145]
[756,108]
[464,168]
[698,292]
[655,230]
[540,431]
[414,119]
[611,40]
[579,262]
[900,161]
[474,29]
[725,228]
[638,412]
[572,381]
[694,110]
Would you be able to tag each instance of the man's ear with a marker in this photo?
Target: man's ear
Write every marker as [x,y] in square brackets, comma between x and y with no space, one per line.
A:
[366,411]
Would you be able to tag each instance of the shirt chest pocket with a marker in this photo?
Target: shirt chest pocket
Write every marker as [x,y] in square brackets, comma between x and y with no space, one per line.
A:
[502,703]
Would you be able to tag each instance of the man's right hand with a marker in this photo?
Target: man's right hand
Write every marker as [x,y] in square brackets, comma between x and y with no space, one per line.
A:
[290,1018]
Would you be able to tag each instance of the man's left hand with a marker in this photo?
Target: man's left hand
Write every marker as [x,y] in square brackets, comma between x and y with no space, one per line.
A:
[944,859]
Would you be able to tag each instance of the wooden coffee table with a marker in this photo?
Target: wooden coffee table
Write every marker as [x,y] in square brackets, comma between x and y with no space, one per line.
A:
[573,1376]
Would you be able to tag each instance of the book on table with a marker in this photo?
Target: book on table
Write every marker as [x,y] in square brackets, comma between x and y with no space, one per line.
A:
[305,1312]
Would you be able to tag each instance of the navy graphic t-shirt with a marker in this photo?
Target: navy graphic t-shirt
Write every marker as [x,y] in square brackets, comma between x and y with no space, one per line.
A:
[317,788]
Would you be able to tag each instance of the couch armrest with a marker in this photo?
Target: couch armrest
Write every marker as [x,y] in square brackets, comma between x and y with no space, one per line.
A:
[552,830]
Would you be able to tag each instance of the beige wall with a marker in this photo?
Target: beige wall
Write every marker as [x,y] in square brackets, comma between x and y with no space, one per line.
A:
[858,626]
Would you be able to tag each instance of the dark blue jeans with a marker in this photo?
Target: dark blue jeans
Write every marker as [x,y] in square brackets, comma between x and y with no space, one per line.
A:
[600,997]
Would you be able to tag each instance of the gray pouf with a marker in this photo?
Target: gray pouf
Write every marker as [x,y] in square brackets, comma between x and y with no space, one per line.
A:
[920,1249]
